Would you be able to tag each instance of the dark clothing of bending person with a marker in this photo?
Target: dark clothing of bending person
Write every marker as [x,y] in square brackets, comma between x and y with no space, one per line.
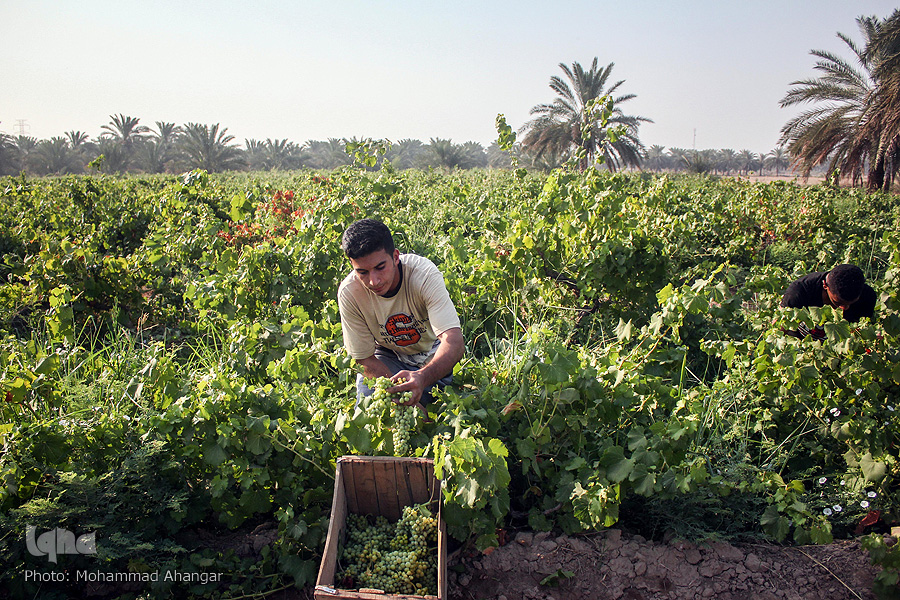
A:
[843,287]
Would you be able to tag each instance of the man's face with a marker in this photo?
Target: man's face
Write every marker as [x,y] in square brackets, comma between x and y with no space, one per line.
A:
[378,271]
[835,300]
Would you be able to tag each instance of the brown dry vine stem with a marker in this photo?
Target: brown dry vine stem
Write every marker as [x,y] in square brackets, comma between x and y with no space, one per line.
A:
[261,594]
[830,572]
[289,449]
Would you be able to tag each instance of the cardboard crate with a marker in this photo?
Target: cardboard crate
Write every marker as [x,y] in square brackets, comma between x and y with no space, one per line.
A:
[379,485]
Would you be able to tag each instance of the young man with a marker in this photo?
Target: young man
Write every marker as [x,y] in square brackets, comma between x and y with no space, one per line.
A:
[842,287]
[397,317]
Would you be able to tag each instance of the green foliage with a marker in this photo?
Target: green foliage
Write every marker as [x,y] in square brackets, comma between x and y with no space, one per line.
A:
[476,491]
[506,136]
[553,579]
[887,582]
[171,360]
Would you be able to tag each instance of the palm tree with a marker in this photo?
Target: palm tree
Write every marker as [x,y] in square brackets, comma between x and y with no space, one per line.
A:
[126,130]
[81,147]
[680,158]
[115,158]
[881,127]
[447,154]
[700,161]
[777,159]
[157,152]
[151,155]
[498,158]
[76,138]
[254,155]
[55,156]
[207,148]
[167,133]
[8,162]
[25,149]
[727,160]
[747,161]
[547,161]
[569,122]
[655,158]
[271,155]
[280,155]
[475,156]
[407,154]
[329,154]
[845,128]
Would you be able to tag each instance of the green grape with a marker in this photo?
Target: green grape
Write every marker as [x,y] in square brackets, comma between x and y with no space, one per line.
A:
[404,425]
[393,414]
[399,558]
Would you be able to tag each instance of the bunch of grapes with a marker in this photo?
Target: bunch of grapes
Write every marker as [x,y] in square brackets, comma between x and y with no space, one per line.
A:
[402,418]
[380,400]
[404,423]
[397,559]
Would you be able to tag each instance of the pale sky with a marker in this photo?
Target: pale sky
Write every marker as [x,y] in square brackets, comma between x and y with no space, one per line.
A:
[709,73]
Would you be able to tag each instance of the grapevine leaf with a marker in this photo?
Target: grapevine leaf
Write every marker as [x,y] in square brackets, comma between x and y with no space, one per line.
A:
[468,491]
[552,374]
[618,470]
[497,448]
[644,481]
[774,523]
[214,454]
[820,533]
[552,579]
[873,470]
[255,501]
[624,330]
[303,571]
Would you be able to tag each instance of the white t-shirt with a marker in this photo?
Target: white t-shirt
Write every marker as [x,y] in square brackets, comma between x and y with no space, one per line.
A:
[407,323]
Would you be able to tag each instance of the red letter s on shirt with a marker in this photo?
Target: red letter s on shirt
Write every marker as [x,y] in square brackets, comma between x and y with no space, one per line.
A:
[402,328]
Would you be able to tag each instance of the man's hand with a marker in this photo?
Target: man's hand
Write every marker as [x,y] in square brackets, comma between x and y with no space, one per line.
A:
[409,381]
[449,353]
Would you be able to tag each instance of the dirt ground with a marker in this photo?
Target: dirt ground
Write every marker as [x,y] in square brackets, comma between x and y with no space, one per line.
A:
[613,565]
[811,180]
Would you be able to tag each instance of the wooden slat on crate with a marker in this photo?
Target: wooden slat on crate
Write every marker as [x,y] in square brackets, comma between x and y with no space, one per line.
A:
[335,528]
[387,480]
[343,467]
[367,500]
[442,585]
[404,495]
[433,486]
[419,483]
[321,592]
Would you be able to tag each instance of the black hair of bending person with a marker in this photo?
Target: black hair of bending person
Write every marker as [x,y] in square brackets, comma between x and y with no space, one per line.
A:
[365,237]
[846,281]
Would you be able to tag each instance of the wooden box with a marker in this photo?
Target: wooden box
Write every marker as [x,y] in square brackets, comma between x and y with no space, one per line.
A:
[379,485]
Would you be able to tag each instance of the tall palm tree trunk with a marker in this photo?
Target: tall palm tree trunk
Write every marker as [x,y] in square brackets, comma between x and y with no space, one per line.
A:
[875,180]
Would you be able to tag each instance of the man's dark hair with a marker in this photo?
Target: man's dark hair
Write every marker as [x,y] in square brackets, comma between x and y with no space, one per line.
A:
[846,281]
[365,237]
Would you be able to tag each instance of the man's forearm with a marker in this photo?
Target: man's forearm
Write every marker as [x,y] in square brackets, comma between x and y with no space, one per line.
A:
[372,368]
[449,353]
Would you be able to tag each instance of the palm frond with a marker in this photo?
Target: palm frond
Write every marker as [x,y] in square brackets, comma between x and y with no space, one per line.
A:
[557,126]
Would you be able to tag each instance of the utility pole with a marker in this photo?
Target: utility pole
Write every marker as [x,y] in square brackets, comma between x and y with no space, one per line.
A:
[694,147]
